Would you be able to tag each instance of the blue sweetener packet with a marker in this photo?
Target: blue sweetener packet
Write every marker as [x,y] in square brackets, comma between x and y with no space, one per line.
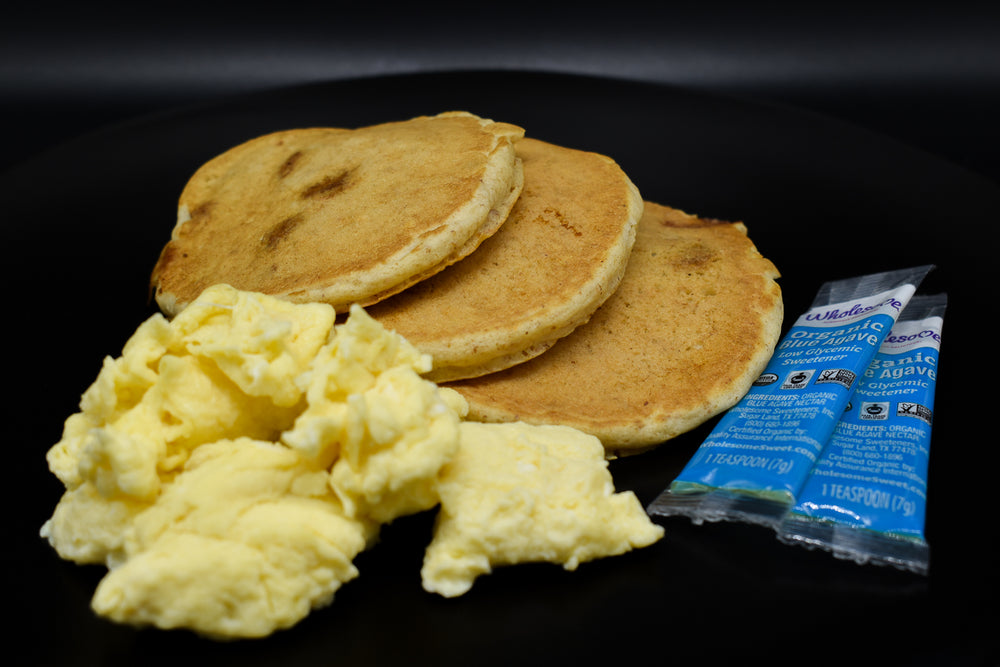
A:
[865,498]
[755,461]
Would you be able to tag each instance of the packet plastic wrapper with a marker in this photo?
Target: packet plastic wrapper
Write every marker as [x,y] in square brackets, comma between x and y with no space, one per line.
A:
[865,498]
[756,460]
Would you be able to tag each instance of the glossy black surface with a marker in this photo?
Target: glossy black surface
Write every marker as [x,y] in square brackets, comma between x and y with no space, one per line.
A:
[84,224]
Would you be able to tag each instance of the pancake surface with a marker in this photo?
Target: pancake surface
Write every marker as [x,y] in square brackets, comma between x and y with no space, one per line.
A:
[692,325]
[341,216]
[559,255]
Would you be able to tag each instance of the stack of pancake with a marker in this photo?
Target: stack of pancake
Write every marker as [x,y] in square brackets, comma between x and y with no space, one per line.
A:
[543,286]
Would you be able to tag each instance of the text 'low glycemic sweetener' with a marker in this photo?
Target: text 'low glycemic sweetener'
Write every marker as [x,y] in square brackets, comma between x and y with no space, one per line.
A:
[754,463]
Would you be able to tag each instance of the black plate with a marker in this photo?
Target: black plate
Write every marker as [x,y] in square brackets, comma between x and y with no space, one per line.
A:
[84,224]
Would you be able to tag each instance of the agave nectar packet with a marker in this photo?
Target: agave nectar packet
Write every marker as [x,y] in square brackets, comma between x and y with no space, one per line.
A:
[865,498]
[755,461]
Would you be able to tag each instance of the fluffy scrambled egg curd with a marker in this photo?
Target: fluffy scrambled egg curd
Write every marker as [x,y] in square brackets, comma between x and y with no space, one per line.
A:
[229,466]
[517,493]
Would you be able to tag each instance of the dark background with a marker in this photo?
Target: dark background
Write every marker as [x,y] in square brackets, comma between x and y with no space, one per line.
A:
[925,73]
[102,76]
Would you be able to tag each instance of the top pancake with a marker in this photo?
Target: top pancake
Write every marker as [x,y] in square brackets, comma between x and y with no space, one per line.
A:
[341,216]
[691,326]
[559,255]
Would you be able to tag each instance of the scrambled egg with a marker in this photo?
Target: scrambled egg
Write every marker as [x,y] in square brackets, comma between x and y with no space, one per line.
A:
[516,493]
[231,463]
[248,539]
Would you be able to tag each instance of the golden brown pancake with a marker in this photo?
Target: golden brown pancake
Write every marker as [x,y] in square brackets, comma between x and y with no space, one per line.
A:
[341,216]
[559,255]
[692,324]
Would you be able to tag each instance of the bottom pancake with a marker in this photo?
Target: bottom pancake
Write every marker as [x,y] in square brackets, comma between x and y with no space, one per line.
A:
[691,326]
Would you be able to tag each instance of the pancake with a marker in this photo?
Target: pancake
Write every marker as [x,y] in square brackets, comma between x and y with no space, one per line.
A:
[559,255]
[341,216]
[691,326]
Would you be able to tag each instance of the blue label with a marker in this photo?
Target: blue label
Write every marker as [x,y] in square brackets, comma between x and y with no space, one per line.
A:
[873,472]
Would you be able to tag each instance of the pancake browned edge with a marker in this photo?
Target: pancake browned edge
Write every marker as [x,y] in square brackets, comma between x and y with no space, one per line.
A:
[341,216]
[691,326]
[560,254]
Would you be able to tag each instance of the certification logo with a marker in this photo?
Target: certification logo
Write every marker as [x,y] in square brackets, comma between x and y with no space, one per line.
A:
[871,411]
[798,380]
[904,409]
[841,376]
[765,379]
